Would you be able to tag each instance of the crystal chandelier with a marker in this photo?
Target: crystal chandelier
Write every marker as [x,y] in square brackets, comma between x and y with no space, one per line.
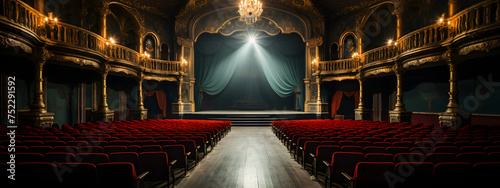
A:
[250,11]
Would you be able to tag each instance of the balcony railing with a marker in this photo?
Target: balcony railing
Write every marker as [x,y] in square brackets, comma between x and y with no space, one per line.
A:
[62,34]
[477,17]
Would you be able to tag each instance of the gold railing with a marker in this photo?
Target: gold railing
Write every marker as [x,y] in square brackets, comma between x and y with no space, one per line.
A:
[58,33]
[338,65]
[479,16]
[162,65]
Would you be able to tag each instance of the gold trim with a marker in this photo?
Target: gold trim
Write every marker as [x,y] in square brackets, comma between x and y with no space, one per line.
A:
[305,24]
[377,71]
[159,78]
[79,61]
[483,46]
[417,63]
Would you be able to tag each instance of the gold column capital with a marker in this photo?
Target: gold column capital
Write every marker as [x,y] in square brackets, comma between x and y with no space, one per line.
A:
[185,42]
[314,42]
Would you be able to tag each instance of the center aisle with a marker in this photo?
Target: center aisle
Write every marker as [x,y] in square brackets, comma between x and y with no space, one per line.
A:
[248,157]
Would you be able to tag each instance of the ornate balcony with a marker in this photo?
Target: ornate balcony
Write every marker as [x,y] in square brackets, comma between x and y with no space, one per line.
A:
[471,30]
[25,28]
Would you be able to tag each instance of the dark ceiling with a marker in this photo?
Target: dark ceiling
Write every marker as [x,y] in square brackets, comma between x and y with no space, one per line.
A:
[331,8]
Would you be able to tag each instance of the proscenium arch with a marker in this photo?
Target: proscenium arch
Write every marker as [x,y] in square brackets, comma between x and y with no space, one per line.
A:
[300,20]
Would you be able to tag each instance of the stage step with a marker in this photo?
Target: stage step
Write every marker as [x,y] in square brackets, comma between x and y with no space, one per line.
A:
[250,118]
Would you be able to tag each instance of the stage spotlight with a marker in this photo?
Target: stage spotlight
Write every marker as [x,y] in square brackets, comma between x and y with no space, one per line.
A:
[251,40]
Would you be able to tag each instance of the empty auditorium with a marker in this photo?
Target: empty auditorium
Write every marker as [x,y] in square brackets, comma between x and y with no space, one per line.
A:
[249,93]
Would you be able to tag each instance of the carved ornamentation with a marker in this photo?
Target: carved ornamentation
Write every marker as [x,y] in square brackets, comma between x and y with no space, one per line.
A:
[161,78]
[416,63]
[185,42]
[362,5]
[484,46]
[378,71]
[10,42]
[128,72]
[398,7]
[264,24]
[315,42]
[79,61]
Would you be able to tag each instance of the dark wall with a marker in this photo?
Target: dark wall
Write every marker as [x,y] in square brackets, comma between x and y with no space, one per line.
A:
[426,90]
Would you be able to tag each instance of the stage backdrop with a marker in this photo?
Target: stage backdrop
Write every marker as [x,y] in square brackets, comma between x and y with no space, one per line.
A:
[233,73]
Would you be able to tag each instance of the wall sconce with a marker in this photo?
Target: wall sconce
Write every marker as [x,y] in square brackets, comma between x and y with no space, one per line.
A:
[110,41]
[355,55]
[50,19]
[145,55]
[183,65]
[315,64]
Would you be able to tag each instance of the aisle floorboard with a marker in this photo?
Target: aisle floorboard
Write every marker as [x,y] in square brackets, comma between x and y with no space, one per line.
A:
[248,157]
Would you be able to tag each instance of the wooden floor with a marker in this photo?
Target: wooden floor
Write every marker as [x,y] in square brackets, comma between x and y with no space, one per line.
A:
[248,157]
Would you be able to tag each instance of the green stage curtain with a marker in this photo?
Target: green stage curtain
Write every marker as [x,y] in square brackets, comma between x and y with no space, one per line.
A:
[281,59]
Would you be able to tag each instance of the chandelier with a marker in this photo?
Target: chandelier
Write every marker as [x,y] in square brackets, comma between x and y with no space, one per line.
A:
[250,11]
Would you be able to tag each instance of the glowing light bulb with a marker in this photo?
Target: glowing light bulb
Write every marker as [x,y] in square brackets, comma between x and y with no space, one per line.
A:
[251,40]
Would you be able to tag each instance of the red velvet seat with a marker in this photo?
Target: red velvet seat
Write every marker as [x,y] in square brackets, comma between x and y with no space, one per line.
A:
[130,157]
[378,157]
[117,174]
[114,148]
[81,175]
[37,174]
[341,162]
[60,157]
[371,174]
[90,149]
[452,175]
[374,149]
[93,158]
[408,157]
[190,146]
[415,174]
[178,153]
[436,158]
[485,174]
[40,149]
[323,153]
[29,157]
[151,148]
[397,149]
[472,157]
[158,166]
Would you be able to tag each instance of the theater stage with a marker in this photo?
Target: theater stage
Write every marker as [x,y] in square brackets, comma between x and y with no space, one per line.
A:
[251,118]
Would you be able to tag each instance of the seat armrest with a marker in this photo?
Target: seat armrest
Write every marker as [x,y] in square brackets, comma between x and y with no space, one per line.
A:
[349,178]
[312,155]
[198,147]
[301,148]
[327,164]
[188,153]
[173,162]
[140,177]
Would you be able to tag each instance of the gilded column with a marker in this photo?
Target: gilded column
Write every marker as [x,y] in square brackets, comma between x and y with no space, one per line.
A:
[38,114]
[452,7]
[39,6]
[453,117]
[39,58]
[103,114]
[140,112]
[313,102]
[398,11]
[399,114]
[361,113]
[186,76]
[103,13]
